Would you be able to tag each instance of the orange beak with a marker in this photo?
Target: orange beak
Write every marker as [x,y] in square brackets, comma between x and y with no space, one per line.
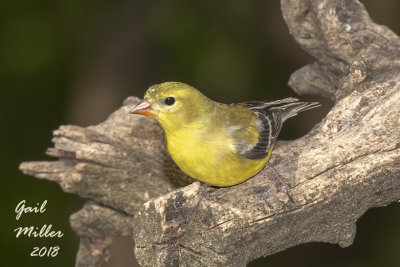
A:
[143,108]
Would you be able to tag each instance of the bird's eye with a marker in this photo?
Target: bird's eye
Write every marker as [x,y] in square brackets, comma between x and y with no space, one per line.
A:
[169,100]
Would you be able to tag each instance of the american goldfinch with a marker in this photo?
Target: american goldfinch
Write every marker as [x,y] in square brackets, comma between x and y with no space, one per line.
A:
[215,143]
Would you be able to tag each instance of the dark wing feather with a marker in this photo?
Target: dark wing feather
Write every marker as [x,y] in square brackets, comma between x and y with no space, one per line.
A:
[270,116]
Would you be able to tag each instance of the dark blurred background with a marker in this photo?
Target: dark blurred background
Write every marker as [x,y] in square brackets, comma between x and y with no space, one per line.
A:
[74,62]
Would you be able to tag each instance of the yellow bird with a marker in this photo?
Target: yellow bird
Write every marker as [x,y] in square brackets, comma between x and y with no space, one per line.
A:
[215,143]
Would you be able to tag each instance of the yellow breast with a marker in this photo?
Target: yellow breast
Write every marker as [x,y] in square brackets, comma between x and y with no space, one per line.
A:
[211,157]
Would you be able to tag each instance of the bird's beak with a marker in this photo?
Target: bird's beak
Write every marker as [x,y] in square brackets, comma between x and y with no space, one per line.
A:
[143,108]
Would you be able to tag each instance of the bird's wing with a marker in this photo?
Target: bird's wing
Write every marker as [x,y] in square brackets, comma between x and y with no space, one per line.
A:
[267,126]
[270,116]
[260,105]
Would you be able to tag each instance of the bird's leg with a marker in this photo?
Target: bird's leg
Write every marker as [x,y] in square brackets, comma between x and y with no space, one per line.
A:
[280,183]
[203,193]
[204,190]
[201,210]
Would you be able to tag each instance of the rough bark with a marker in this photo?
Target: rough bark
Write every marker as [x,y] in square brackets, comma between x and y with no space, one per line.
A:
[314,188]
[117,165]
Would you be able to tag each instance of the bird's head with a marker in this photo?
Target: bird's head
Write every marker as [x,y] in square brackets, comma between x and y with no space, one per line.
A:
[173,104]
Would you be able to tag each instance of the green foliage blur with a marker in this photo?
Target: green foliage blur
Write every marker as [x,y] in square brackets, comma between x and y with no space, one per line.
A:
[73,62]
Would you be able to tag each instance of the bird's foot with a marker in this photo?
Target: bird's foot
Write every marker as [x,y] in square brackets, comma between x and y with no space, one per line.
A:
[280,183]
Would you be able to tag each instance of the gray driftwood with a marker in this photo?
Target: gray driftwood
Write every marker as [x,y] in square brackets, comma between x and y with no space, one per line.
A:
[314,188]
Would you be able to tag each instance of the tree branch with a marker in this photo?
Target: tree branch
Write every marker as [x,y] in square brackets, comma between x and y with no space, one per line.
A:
[314,188]
[118,165]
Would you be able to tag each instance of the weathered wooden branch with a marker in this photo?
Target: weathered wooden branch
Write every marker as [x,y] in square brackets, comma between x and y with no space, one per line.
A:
[118,165]
[314,188]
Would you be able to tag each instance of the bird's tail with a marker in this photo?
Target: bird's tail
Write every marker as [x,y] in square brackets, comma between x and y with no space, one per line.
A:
[292,109]
[287,107]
